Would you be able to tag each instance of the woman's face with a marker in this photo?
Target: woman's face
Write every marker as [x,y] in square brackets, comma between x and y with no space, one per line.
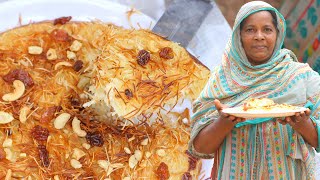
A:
[258,37]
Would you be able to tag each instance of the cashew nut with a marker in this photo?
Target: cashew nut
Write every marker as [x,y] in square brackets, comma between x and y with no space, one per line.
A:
[78,153]
[61,120]
[75,164]
[106,166]
[56,177]
[148,154]
[23,155]
[76,127]
[35,50]
[18,91]
[144,142]
[23,114]
[52,54]
[71,55]
[5,117]
[75,46]
[161,152]
[64,63]
[86,145]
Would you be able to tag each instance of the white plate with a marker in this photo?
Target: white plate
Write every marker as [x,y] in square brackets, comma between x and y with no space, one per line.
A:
[238,112]
[80,10]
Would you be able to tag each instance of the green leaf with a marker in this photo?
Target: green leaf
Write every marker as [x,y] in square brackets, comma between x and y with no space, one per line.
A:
[311,12]
[289,33]
[314,20]
[303,32]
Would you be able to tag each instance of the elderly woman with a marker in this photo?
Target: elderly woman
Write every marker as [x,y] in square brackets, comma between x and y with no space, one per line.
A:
[255,66]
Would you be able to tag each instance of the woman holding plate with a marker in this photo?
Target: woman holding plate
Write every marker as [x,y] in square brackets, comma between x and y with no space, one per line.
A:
[255,66]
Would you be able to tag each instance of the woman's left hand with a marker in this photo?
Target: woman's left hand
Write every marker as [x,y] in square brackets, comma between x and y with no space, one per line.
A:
[302,123]
[296,121]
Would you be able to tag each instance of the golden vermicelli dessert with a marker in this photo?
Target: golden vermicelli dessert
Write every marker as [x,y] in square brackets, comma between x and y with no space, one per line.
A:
[88,100]
[265,104]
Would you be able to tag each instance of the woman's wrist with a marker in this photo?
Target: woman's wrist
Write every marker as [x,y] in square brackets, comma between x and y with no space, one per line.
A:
[301,125]
[225,124]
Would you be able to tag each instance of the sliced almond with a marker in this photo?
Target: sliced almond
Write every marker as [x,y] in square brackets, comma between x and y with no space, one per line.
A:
[75,164]
[109,170]
[131,139]
[117,165]
[138,155]
[127,150]
[104,164]
[132,161]
[5,117]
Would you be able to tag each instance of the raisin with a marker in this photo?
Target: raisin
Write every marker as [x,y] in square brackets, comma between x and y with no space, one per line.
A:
[166,53]
[62,20]
[60,35]
[19,74]
[40,133]
[48,115]
[44,155]
[128,93]
[95,139]
[143,57]
[75,102]
[192,161]
[8,131]
[163,171]
[186,176]
[78,65]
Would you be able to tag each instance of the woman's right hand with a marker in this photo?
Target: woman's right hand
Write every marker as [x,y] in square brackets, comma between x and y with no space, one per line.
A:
[224,117]
[211,137]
